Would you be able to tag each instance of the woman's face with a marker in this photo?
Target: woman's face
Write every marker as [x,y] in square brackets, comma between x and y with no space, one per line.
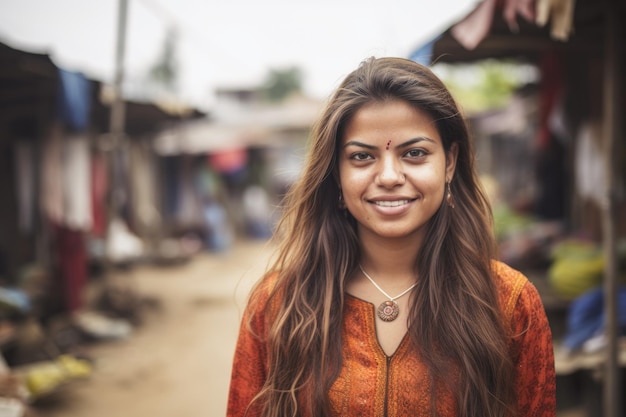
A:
[393,169]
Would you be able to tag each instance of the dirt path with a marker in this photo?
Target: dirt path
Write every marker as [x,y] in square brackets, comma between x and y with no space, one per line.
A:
[178,362]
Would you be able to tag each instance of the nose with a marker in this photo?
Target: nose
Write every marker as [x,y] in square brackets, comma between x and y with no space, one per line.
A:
[390,174]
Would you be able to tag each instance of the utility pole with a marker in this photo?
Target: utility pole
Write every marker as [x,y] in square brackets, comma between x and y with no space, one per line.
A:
[117,109]
[116,127]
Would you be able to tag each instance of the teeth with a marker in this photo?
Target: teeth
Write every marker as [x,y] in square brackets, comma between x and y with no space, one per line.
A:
[391,203]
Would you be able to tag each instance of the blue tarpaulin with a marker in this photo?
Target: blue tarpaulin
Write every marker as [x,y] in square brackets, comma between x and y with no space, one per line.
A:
[423,54]
[587,317]
[74,99]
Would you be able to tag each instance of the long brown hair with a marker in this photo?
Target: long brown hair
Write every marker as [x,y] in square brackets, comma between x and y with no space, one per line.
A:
[455,319]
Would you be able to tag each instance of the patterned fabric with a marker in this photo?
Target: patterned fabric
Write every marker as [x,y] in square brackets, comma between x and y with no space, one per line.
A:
[371,382]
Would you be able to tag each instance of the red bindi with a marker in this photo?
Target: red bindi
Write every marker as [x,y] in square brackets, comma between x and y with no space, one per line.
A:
[388,144]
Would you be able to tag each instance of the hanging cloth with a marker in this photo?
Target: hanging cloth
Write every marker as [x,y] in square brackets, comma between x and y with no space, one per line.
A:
[475,27]
[76,167]
[470,31]
[74,99]
[99,189]
[52,176]
[512,8]
[560,12]
[25,184]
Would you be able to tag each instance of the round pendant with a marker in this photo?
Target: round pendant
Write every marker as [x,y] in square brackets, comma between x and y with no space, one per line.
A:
[388,311]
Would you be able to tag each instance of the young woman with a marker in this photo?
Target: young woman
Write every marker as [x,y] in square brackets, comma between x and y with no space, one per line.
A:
[385,298]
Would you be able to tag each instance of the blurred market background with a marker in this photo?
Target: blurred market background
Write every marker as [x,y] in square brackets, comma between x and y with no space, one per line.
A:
[145,146]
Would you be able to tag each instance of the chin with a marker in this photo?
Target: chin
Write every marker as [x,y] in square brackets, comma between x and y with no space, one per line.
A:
[393,233]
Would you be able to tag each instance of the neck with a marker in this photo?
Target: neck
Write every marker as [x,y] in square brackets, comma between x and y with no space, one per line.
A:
[390,259]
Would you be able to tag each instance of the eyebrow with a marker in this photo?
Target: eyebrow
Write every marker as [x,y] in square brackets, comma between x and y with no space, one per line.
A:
[402,145]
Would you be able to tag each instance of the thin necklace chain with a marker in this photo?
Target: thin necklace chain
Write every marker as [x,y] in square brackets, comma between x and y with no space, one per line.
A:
[383,291]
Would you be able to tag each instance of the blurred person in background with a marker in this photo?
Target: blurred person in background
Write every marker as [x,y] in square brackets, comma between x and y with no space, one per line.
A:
[385,297]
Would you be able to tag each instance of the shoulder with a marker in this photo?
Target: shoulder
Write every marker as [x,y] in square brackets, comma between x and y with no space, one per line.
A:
[515,291]
[262,292]
[262,301]
[507,277]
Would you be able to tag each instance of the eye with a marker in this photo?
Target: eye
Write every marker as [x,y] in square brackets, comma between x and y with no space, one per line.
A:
[416,153]
[360,156]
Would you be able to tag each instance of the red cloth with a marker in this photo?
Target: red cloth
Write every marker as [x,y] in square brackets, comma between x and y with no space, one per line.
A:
[551,87]
[99,188]
[72,261]
[229,161]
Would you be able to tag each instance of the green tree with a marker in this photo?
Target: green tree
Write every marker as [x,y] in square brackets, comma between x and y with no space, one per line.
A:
[486,84]
[497,83]
[279,84]
[164,72]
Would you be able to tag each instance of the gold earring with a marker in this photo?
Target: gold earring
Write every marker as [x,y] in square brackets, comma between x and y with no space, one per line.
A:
[449,198]
[342,204]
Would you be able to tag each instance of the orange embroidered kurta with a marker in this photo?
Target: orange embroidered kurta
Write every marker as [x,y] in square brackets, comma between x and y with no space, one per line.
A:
[372,384]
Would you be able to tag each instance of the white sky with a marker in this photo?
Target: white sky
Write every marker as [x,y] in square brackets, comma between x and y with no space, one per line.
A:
[227,43]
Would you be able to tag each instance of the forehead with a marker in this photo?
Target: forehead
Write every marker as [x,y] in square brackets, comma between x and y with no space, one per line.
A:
[390,120]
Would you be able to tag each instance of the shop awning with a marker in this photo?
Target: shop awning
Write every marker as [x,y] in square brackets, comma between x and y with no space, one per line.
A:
[517,29]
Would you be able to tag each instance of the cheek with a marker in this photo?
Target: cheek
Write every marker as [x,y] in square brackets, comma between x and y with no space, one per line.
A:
[428,178]
[353,188]
[354,193]
[353,181]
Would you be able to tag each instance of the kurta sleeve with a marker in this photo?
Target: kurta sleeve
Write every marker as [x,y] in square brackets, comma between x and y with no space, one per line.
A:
[533,356]
[249,363]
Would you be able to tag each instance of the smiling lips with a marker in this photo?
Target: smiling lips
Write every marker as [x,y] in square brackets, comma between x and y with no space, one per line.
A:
[394,203]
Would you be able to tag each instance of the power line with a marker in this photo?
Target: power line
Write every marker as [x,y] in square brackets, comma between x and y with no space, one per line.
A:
[195,37]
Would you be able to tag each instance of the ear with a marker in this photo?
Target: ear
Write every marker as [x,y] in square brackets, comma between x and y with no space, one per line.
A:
[451,157]
[336,177]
